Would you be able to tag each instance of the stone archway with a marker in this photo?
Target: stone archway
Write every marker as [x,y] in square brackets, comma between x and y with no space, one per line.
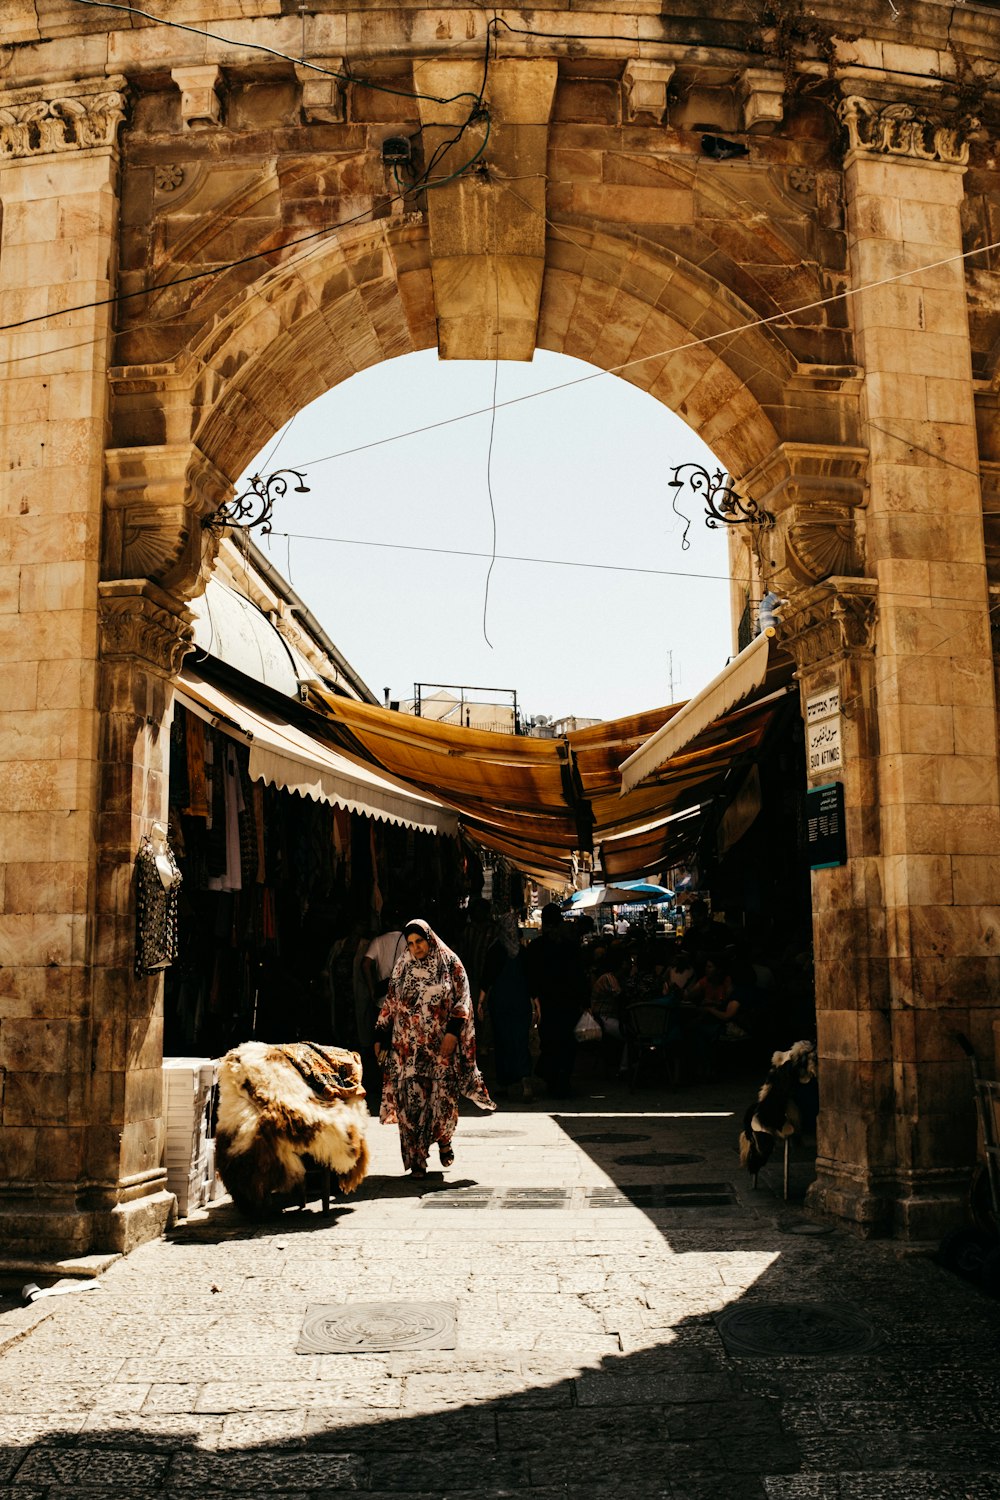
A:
[602,226]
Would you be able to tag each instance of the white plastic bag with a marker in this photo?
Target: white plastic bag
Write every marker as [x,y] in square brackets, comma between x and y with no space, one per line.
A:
[588,1028]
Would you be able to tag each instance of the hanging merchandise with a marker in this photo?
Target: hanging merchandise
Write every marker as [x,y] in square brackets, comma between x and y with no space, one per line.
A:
[376,889]
[260,876]
[158,882]
[196,802]
[226,777]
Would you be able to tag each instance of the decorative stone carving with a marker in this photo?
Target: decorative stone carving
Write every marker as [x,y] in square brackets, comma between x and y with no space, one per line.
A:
[155,499]
[815,492]
[168,178]
[646,86]
[74,122]
[898,130]
[762,96]
[323,98]
[801,179]
[820,543]
[201,106]
[139,620]
[830,622]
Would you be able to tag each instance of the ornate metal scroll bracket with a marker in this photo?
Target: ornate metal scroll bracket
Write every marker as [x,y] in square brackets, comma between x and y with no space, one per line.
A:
[724,506]
[251,511]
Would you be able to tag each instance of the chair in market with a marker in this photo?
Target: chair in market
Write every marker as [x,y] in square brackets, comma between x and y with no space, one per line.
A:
[651,1038]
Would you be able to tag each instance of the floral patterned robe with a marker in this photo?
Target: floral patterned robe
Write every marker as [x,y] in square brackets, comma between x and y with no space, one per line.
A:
[426,1000]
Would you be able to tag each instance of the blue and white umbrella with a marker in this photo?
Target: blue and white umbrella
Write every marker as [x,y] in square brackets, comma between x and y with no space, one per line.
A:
[626,893]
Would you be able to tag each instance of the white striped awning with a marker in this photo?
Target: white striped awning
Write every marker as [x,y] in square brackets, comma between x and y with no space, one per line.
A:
[744,675]
[283,755]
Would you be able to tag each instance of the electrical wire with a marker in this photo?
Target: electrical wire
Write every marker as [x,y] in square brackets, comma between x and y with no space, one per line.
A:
[160,286]
[493,419]
[686,346]
[555,562]
[228,41]
[478,113]
[566,562]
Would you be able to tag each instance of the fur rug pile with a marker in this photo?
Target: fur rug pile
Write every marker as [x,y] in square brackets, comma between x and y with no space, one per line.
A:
[281,1104]
[775,1115]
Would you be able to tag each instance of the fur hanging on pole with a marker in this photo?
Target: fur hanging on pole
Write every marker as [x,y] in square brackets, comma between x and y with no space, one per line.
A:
[776,1115]
[281,1104]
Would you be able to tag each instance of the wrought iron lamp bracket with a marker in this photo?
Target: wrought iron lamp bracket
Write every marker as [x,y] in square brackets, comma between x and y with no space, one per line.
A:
[252,509]
[724,506]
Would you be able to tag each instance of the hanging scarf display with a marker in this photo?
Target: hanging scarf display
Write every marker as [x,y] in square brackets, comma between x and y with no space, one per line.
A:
[157,883]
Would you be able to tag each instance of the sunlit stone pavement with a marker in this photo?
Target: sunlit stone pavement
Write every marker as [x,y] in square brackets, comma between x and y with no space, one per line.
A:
[589,1360]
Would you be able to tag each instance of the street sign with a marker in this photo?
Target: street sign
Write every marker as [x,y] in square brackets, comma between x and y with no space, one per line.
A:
[824,752]
[826,835]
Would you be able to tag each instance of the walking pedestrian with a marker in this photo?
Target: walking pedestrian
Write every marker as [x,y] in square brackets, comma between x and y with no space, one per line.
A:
[425,1038]
[560,991]
[505,992]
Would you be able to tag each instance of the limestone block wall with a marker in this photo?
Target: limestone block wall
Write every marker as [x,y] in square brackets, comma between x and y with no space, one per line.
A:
[59,218]
[602,227]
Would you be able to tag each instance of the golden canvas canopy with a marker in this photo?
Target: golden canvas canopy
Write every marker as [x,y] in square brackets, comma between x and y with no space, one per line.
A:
[536,801]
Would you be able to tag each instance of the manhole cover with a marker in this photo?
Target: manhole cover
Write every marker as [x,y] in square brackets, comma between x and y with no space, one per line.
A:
[796,1328]
[535,1198]
[376,1327]
[438,1200]
[470,1197]
[657,1159]
[609,1138]
[805,1227]
[490,1135]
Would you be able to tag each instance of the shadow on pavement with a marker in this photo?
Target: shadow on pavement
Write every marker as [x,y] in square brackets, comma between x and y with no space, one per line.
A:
[753,1364]
[913,1417]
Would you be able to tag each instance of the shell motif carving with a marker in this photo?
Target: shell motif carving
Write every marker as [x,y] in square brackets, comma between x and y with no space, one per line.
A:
[152,540]
[818,549]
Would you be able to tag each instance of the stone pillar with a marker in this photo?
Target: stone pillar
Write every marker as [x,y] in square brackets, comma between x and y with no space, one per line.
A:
[930,731]
[144,634]
[829,628]
[64,1141]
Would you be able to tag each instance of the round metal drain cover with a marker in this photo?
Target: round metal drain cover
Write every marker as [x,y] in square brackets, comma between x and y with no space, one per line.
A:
[489,1135]
[609,1138]
[796,1328]
[376,1327]
[657,1159]
[806,1227]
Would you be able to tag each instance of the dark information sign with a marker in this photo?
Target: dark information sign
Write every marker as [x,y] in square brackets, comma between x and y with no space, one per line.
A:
[826,837]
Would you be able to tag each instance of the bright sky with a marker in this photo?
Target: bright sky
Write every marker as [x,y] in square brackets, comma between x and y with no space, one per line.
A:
[578,475]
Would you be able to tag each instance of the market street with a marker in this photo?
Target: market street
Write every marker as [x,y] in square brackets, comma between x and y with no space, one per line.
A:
[591,1352]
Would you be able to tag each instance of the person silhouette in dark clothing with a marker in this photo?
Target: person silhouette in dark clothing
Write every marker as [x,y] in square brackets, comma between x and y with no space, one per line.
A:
[557,981]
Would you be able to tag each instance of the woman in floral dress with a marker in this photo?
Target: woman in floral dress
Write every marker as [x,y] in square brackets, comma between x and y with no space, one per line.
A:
[426,1036]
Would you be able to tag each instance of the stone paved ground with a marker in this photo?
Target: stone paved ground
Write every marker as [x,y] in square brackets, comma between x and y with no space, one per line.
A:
[589,1358]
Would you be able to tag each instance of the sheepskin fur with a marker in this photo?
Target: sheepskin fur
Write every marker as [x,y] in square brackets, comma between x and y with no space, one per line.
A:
[775,1115]
[271,1118]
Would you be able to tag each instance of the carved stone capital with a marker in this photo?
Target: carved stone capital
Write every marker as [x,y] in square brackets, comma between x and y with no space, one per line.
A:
[85,115]
[899,129]
[646,87]
[155,499]
[323,98]
[762,96]
[201,104]
[829,622]
[142,622]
